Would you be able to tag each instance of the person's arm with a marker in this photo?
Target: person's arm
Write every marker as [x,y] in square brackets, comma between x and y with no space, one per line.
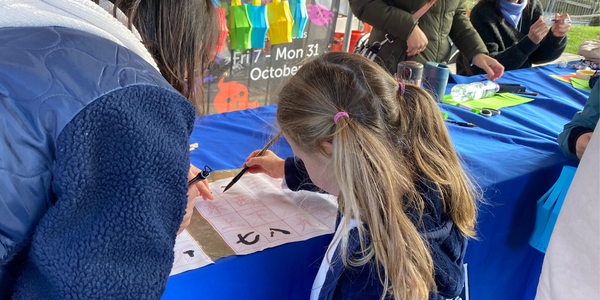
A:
[292,170]
[120,178]
[296,176]
[551,47]
[485,20]
[383,17]
[463,34]
[583,122]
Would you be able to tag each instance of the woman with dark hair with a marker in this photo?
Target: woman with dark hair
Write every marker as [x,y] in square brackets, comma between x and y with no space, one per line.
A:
[515,34]
[94,143]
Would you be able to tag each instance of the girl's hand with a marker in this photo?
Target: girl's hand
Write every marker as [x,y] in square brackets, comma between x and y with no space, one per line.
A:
[417,42]
[491,66]
[202,186]
[559,28]
[538,31]
[189,210]
[268,163]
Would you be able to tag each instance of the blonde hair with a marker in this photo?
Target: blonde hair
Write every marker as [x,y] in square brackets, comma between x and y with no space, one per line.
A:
[387,144]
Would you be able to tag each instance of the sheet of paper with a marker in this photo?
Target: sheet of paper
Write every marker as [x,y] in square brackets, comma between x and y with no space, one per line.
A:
[581,84]
[188,255]
[256,213]
[565,78]
[496,102]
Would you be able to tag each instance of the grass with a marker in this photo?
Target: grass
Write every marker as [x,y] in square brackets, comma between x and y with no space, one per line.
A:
[577,34]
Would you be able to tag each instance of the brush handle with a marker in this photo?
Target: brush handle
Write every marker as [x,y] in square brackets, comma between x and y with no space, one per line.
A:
[262,152]
[271,142]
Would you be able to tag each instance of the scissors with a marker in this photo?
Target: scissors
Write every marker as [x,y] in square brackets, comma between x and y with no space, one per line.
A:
[487,112]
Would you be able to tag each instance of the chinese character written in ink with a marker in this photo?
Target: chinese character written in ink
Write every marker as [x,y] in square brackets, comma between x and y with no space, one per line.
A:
[245,242]
[280,230]
[190,253]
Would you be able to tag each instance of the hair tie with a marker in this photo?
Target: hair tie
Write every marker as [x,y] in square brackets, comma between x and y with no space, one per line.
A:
[401,89]
[339,115]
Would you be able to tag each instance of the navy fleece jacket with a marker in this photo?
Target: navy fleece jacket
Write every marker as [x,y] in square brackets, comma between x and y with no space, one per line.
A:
[94,147]
[446,244]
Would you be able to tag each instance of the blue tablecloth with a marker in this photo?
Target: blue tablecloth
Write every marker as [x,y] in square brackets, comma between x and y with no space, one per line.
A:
[513,157]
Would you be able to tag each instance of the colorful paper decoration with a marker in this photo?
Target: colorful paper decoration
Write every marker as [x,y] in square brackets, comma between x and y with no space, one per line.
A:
[260,24]
[239,26]
[548,208]
[300,17]
[280,22]
[224,30]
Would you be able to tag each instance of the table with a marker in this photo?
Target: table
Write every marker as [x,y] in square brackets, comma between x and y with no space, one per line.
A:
[513,157]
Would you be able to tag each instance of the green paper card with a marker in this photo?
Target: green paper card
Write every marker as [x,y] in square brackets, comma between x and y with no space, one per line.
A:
[496,102]
[581,84]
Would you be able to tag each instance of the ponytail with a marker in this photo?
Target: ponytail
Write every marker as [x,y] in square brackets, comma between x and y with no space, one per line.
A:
[390,139]
[372,183]
[428,150]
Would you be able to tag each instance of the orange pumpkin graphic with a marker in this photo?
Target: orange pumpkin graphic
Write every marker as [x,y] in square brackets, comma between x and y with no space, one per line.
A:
[232,96]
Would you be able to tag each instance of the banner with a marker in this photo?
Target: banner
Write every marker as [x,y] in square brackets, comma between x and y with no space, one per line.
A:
[241,79]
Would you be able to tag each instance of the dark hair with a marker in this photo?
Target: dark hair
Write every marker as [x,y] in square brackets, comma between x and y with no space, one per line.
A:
[181,35]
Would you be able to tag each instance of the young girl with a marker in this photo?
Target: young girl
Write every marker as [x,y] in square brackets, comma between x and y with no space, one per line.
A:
[384,151]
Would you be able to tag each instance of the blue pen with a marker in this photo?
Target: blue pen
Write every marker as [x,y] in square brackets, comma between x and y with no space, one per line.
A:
[477,111]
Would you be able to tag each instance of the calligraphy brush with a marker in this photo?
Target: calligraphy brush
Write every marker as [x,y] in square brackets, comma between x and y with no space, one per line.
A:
[239,175]
[463,124]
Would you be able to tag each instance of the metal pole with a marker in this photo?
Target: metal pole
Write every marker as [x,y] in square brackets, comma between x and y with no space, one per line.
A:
[593,12]
[348,33]
[547,10]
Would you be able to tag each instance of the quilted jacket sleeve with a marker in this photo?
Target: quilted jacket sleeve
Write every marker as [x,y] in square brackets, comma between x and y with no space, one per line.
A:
[120,183]
[583,121]
[384,17]
[463,34]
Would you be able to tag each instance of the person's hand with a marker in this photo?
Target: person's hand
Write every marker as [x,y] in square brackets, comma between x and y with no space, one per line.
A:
[559,28]
[582,143]
[202,186]
[417,42]
[491,66]
[538,31]
[268,163]
[189,210]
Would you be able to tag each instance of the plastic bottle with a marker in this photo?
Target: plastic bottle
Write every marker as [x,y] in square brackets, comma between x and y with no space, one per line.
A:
[475,90]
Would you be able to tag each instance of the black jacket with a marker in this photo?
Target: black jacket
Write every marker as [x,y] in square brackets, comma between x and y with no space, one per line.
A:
[511,47]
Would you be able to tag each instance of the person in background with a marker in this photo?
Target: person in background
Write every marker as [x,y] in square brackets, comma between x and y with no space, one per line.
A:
[407,206]
[424,39]
[94,143]
[577,134]
[515,34]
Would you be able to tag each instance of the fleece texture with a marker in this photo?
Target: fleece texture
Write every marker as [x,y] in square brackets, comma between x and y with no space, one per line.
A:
[95,156]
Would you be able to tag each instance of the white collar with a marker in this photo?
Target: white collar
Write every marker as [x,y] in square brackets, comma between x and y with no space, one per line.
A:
[328,259]
[82,15]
